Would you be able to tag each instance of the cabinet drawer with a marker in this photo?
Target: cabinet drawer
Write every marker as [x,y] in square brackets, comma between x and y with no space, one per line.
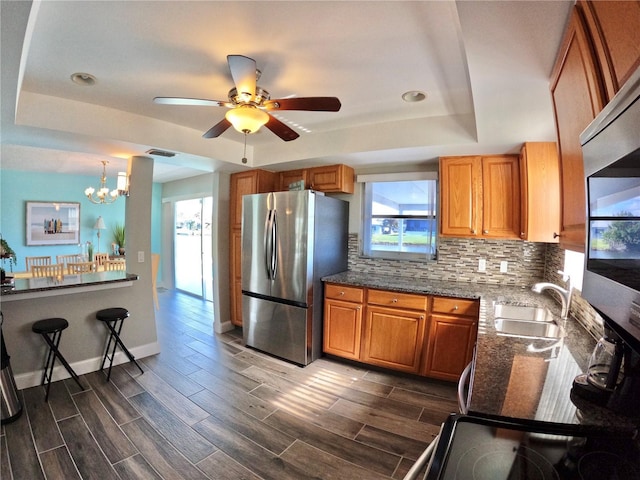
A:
[397,300]
[456,306]
[342,292]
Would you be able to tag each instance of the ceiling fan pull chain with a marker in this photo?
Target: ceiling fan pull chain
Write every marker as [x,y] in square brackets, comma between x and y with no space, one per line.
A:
[244,157]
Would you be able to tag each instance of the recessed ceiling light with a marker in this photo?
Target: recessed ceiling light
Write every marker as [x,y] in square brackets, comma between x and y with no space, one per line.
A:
[84,79]
[414,96]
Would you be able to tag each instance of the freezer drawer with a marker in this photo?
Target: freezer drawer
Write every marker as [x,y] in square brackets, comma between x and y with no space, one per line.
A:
[279,329]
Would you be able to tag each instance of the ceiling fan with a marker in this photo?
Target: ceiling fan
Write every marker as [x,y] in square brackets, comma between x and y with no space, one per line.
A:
[250,104]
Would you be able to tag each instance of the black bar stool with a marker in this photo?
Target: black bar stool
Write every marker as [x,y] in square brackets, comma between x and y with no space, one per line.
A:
[51,330]
[113,318]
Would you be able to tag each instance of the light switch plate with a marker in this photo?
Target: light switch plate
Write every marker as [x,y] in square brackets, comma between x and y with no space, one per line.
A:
[504,265]
[482,265]
[140,257]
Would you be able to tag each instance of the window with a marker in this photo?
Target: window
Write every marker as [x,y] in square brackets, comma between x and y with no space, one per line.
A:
[399,216]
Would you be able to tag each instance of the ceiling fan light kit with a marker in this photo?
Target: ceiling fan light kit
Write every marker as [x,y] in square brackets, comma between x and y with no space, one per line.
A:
[250,104]
[247,118]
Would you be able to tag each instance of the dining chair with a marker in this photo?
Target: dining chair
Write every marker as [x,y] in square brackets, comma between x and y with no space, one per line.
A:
[51,270]
[31,261]
[113,265]
[65,259]
[81,267]
[100,258]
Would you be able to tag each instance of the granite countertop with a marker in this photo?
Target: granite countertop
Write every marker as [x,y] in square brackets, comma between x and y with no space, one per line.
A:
[513,376]
[42,284]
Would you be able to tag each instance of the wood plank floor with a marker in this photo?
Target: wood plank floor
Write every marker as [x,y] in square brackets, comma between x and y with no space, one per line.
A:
[207,407]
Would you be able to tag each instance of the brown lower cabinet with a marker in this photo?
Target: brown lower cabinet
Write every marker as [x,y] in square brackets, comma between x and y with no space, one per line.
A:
[419,334]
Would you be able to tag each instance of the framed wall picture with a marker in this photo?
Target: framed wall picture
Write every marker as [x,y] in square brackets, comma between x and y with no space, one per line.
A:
[53,223]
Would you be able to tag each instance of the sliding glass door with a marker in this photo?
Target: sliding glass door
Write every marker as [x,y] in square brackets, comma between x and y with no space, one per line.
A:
[192,247]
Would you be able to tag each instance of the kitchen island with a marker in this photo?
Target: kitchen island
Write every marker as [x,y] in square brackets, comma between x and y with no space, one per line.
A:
[512,376]
[76,298]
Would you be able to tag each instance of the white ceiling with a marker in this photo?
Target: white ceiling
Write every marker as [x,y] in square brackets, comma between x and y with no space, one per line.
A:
[485,66]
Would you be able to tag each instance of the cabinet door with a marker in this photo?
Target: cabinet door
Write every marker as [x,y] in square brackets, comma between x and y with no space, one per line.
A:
[235,277]
[577,98]
[394,338]
[332,179]
[291,176]
[342,328]
[246,183]
[614,27]
[460,196]
[501,196]
[540,191]
[450,346]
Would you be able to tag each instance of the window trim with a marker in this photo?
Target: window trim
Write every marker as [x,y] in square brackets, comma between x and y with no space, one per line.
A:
[365,233]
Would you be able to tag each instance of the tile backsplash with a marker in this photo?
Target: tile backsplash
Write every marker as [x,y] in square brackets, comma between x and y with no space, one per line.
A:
[528,263]
[458,261]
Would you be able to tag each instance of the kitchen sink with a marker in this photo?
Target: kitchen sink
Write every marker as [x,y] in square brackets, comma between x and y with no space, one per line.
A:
[526,321]
[520,312]
[528,329]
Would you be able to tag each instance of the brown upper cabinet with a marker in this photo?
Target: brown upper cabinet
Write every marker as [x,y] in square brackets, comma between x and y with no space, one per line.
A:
[337,178]
[246,183]
[480,196]
[614,28]
[540,187]
[292,176]
[600,49]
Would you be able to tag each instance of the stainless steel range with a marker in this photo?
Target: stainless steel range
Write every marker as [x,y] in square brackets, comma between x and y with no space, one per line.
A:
[477,448]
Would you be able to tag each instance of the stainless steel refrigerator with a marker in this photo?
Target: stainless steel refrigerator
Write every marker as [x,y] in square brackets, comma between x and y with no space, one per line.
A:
[290,240]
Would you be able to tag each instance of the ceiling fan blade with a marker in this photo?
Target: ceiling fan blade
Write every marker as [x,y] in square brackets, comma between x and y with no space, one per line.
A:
[316,104]
[281,130]
[199,102]
[243,72]
[218,129]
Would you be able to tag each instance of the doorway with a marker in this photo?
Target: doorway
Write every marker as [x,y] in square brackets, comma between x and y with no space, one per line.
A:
[193,263]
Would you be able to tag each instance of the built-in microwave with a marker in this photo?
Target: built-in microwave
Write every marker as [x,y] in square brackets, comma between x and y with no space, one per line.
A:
[611,150]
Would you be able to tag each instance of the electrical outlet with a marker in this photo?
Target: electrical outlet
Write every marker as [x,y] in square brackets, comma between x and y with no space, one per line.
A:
[482,265]
[141,257]
[504,266]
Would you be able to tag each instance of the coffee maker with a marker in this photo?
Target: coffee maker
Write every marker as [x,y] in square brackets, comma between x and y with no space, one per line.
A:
[604,372]
[613,376]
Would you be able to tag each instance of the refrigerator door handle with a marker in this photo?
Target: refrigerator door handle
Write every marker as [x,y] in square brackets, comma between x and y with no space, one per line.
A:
[268,243]
[270,240]
[274,243]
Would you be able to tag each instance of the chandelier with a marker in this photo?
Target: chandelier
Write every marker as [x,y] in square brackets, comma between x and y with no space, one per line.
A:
[103,195]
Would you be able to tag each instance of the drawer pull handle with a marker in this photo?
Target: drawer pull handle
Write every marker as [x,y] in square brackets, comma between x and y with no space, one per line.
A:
[341,293]
[485,232]
[395,300]
[421,317]
[455,307]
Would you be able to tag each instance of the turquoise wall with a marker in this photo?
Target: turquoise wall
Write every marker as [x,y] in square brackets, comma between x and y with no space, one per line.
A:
[18,187]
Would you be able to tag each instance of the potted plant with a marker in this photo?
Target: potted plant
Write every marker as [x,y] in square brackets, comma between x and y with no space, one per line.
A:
[119,237]
[6,253]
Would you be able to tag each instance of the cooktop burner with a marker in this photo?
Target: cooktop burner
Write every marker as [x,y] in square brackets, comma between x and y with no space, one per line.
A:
[503,449]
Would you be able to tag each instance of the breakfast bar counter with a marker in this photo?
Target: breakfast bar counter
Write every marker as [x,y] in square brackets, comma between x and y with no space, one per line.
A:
[28,288]
[76,298]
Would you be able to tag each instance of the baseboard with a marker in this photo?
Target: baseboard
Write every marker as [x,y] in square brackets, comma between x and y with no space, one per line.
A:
[221,327]
[32,379]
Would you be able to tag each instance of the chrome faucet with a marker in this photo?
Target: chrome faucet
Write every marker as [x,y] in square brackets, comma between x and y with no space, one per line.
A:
[565,295]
